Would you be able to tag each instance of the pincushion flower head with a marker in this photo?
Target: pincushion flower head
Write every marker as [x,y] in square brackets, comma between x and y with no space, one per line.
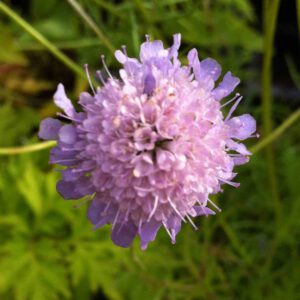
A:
[151,147]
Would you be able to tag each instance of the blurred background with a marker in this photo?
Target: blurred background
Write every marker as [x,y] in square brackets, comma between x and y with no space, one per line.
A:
[48,249]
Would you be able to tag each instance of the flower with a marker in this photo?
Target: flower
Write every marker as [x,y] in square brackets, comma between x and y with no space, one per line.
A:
[150,148]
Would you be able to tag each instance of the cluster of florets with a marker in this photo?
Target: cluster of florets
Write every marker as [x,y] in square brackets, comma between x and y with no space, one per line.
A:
[151,147]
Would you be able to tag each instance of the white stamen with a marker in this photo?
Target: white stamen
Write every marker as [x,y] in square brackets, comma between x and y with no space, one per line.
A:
[147,37]
[176,210]
[191,221]
[68,118]
[116,219]
[86,68]
[229,101]
[214,205]
[153,209]
[105,66]
[233,108]
[167,230]
[99,74]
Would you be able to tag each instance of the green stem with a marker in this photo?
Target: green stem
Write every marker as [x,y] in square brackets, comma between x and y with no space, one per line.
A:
[276,133]
[42,40]
[298,15]
[90,22]
[27,149]
[271,8]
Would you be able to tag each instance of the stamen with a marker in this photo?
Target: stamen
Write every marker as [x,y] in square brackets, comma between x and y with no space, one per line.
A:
[147,37]
[105,66]
[153,209]
[214,205]
[169,233]
[229,101]
[191,221]
[116,219]
[68,117]
[101,78]
[86,68]
[176,210]
[234,184]
[233,108]
[106,208]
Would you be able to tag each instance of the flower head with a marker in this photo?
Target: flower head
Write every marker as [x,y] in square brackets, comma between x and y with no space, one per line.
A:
[152,146]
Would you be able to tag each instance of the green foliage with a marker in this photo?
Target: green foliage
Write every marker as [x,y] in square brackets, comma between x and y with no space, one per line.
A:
[48,249]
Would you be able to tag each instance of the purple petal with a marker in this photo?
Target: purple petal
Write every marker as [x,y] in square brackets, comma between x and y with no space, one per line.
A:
[174,225]
[173,51]
[123,234]
[67,190]
[151,50]
[120,56]
[240,148]
[148,232]
[227,85]
[209,67]
[67,134]
[203,211]
[49,129]
[95,211]
[242,127]
[63,102]
[149,83]
[194,62]
[240,160]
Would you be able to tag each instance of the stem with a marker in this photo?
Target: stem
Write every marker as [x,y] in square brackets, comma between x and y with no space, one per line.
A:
[42,40]
[90,22]
[298,15]
[276,133]
[27,149]
[271,8]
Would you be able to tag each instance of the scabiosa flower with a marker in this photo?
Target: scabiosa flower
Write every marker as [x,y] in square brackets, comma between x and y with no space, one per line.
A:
[151,147]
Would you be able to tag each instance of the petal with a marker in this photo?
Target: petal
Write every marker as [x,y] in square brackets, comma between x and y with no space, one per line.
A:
[174,225]
[240,160]
[240,148]
[63,102]
[67,134]
[194,62]
[210,67]
[95,211]
[242,127]
[67,190]
[227,85]
[151,50]
[120,56]
[148,232]
[49,129]
[149,83]
[173,51]
[203,211]
[123,234]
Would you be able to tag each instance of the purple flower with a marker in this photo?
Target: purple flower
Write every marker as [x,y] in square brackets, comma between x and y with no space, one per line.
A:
[151,147]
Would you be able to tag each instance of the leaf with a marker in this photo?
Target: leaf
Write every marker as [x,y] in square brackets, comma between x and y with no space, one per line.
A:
[29,186]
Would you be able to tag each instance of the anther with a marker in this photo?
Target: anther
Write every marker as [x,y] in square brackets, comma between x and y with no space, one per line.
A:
[124,49]
[86,68]
[147,37]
